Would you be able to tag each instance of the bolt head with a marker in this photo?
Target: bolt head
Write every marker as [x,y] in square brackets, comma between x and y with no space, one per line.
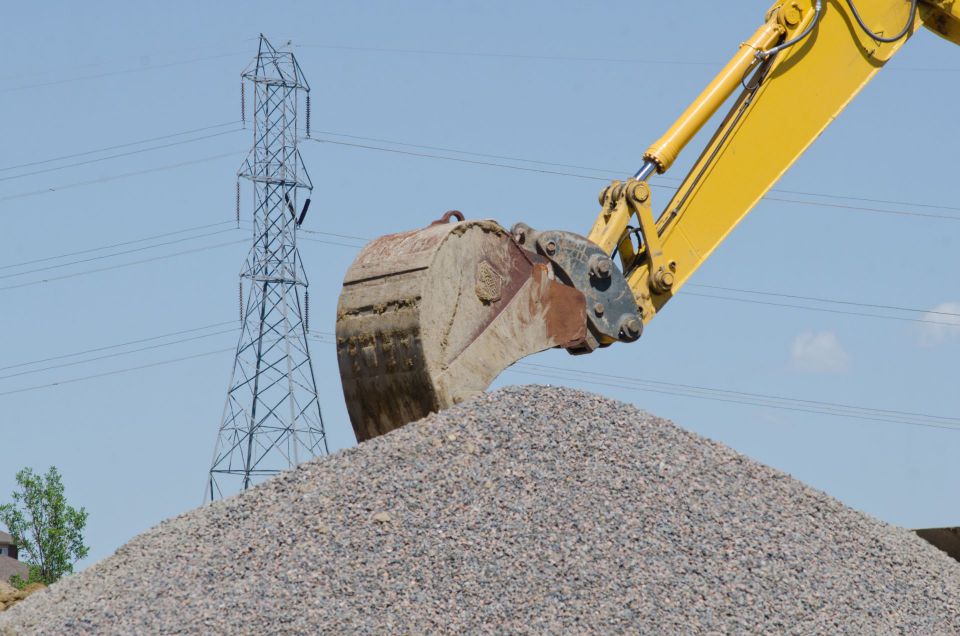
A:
[600,266]
[631,328]
[598,309]
[551,247]
[791,14]
[639,191]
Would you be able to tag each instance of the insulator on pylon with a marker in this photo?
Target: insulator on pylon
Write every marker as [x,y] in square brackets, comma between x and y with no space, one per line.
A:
[303,212]
[243,103]
[241,302]
[308,116]
[306,309]
[238,204]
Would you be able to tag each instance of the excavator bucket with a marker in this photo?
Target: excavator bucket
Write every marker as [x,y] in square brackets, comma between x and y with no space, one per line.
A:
[429,318]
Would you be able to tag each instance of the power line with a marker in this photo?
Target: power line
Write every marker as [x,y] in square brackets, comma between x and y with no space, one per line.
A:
[820,309]
[219,47]
[117,354]
[732,400]
[467,161]
[666,388]
[557,58]
[346,236]
[824,300]
[116,346]
[759,396]
[118,155]
[115,177]
[144,248]
[867,199]
[609,171]
[118,146]
[522,56]
[732,397]
[786,305]
[114,372]
[470,161]
[112,245]
[416,51]
[121,265]
[128,71]
[122,253]
[468,152]
[247,225]
[839,206]
[424,155]
[460,160]
[337,243]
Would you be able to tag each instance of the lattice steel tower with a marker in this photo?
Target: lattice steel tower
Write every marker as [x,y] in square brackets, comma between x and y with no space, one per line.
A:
[272,419]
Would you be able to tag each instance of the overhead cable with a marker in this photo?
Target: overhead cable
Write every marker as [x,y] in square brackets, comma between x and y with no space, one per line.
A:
[119,155]
[112,245]
[115,177]
[133,250]
[121,265]
[887,416]
[114,372]
[607,179]
[118,146]
[117,354]
[117,346]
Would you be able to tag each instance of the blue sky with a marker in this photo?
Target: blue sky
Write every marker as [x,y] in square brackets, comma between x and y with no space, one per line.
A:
[585,84]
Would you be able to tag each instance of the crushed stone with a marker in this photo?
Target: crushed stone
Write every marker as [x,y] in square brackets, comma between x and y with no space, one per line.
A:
[528,510]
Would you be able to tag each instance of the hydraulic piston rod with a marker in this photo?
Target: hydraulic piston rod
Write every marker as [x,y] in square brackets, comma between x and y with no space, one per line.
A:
[665,150]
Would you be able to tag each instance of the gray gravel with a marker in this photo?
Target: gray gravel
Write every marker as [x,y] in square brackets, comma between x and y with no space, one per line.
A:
[529,510]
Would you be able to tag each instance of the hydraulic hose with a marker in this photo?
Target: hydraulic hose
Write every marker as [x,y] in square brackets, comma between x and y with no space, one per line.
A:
[818,8]
[879,38]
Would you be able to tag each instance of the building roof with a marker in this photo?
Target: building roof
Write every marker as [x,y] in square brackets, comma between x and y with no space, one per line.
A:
[9,567]
[6,539]
[947,539]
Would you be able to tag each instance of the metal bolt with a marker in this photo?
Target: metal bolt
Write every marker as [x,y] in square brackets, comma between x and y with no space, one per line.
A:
[631,327]
[640,192]
[603,268]
[600,266]
[791,14]
[598,309]
[551,247]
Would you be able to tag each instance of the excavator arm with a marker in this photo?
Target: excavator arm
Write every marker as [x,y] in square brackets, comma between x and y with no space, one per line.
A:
[429,318]
[785,102]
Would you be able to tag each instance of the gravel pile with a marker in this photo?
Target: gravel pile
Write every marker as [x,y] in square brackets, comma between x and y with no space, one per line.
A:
[529,510]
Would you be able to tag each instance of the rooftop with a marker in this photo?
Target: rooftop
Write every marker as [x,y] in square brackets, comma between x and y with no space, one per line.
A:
[5,539]
[9,567]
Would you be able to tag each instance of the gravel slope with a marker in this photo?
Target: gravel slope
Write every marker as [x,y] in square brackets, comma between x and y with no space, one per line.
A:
[529,510]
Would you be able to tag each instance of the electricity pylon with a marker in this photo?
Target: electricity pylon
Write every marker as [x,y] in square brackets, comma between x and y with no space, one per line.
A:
[272,419]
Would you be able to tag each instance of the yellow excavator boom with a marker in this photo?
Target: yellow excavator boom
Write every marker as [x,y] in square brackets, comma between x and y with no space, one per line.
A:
[786,101]
[429,318]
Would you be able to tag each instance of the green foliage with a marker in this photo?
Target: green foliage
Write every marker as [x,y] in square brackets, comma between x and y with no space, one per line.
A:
[47,530]
[33,576]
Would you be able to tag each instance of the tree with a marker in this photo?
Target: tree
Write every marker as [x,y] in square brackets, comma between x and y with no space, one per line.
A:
[45,528]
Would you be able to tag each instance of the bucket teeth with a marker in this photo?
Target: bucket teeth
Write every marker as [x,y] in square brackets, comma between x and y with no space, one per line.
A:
[429,318]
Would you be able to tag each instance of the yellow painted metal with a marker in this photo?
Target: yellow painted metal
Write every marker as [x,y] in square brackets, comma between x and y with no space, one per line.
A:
[806,88]
[943,18]
[664,152]
[614,217]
